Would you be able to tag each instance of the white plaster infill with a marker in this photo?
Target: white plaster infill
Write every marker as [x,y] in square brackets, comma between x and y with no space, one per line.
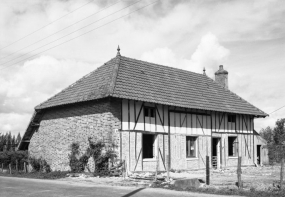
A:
[149,159]
[191,158]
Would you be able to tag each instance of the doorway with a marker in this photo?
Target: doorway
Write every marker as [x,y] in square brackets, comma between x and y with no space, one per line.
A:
[258,158]
[216,153]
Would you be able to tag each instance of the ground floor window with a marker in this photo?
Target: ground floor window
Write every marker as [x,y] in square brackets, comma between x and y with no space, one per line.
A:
[148,146]
[191,146]
[232,146]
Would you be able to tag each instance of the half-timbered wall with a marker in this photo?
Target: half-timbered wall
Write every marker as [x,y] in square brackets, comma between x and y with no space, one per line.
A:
[180,122]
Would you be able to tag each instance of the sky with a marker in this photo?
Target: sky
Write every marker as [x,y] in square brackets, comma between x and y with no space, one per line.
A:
[46,45]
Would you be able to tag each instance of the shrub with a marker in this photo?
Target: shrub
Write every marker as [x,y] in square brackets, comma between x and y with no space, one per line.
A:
[39,165]
[76,163]
[101,154]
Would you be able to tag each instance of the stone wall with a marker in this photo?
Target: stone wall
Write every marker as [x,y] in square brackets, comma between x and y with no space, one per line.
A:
[62,126]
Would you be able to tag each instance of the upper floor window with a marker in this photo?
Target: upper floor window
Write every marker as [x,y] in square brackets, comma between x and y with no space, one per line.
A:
[149,112]
[232,118]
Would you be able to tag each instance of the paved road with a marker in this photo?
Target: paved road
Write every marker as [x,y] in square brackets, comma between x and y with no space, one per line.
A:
[13,187]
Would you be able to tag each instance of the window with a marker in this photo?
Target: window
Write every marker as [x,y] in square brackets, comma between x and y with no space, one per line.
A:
[232,118]
[191,146]
[148,146]
[232,146]
[149,112]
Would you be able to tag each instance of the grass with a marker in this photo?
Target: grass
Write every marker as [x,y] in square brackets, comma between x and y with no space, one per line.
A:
[38,175]
[229,191]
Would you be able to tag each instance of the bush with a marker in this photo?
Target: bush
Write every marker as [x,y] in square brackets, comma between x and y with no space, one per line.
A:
[39,165]
[99,151]
[101,159]
[76,163]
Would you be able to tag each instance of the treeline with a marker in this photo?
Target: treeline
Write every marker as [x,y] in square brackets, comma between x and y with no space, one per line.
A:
[9,142]
[275,138]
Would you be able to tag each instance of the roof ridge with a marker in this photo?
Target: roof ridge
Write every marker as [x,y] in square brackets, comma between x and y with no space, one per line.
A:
[162,65]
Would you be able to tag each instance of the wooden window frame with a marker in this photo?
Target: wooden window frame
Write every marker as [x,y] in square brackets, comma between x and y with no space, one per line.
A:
[232,118]
[149,112]
[153,147]
[188,138]
[232,146]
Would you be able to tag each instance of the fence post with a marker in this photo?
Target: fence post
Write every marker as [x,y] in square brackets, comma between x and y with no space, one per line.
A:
[17,169]
[2,167]
[25,167]
[109,164]
[207,170]
[239,173]
[281,172]
[10,170]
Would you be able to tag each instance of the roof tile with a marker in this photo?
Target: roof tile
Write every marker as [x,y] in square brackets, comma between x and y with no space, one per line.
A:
[123,77]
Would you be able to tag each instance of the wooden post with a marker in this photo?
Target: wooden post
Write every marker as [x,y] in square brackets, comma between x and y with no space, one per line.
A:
[281,172]
[10,169]
[17,169]
[109,164]
[2,167]
[207,170]
[169,149]
[239,173]
[124,169]
[168,178]
[25,167]
[157,157]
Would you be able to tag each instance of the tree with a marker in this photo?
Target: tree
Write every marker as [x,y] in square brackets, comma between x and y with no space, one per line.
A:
[13,143]
[8,141]
[279,132]
[267,134]
[18,139]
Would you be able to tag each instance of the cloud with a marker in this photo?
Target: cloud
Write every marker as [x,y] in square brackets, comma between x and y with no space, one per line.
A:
[173,33]
[14,122]
[34,82]
[209,54]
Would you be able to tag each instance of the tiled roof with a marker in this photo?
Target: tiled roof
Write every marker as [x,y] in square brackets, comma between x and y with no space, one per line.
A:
[127,78]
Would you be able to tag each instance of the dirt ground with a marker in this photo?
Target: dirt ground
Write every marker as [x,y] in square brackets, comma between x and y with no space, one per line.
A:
[257,178]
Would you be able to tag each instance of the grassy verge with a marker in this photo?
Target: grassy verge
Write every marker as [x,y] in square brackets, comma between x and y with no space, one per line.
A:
[229,191]
[37,175]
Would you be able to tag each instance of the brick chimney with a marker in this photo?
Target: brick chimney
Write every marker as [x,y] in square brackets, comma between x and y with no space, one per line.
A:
[221,76]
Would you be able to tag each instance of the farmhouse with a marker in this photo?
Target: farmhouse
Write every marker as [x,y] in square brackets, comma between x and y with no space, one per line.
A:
[152,113]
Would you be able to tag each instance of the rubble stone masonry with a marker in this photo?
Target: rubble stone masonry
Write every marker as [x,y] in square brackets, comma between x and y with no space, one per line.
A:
[61,126]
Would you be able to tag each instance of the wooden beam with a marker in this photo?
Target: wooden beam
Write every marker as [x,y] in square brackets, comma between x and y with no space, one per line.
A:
[188,112]
[245,139]
[220,122]
[137,159]
[137,118]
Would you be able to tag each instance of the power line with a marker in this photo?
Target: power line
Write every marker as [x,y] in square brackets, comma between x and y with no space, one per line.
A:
[46,25]
[277,109]
[84,33]
[106,7]
[69,33]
